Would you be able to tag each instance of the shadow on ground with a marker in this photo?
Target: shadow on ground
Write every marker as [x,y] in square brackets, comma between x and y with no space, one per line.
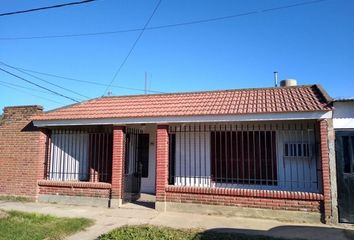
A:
[285,232]
[146,204]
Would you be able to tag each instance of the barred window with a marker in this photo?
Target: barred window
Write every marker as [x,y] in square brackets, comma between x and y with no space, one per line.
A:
[245,157]
[80,155]
[296,150]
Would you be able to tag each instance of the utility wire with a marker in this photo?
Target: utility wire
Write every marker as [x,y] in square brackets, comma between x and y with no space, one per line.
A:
[27,88]
[37,85]
[133,46]
[167,25]
[45,8]
[43,80]
[88,82]
[16,89]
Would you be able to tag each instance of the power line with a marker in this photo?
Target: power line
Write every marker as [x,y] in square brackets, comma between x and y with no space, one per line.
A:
[88,82]
[28,88]
[37,85]
[45,8]
[14,88]
[43,80]
[167,25]
[133,46]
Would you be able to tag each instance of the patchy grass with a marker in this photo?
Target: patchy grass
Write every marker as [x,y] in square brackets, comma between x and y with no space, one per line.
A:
[15,198]
[148,232]
[32,226]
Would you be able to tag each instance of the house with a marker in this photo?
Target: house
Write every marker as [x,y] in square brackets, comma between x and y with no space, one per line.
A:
[343,124]
[248,152]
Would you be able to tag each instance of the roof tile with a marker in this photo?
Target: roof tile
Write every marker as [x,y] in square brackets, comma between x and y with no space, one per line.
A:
[227,102]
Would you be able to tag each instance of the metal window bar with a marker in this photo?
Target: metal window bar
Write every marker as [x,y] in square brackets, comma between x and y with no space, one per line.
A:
[80,155]
[271,155]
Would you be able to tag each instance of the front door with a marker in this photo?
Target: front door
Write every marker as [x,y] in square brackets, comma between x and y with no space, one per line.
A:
[136,160]
[345,175]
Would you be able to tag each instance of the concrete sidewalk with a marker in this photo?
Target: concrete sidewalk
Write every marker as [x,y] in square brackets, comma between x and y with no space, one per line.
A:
[108,219]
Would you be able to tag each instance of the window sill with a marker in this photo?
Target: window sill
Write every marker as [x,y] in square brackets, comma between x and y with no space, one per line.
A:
[95,185]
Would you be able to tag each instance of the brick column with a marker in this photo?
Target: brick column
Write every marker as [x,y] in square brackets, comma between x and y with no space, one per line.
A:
[161,166]
[43,153]
[117,165]
[43,156]
[324,154]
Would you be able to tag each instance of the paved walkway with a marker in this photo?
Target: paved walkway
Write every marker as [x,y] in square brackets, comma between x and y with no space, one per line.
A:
[108,219]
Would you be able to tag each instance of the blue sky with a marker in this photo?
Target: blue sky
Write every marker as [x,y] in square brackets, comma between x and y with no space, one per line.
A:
[311,43]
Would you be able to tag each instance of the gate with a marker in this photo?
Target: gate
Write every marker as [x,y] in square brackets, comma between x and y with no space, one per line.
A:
[136,155]
[345,175]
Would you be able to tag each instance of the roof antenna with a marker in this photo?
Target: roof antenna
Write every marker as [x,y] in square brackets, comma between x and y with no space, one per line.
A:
[275,79]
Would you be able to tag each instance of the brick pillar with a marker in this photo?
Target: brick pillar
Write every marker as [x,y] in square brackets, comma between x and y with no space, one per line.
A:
[43,153]
[161,166]
[324,154]
[21,161]
[43,156]
[117,165]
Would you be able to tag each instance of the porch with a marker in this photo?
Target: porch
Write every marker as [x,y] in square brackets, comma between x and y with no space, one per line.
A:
[270,165]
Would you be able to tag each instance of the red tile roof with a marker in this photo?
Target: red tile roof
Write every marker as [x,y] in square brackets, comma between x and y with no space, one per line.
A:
[227,102]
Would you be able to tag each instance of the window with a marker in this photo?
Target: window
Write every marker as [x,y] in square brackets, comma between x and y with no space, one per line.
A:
[244,157]
[296,150]
[80,155]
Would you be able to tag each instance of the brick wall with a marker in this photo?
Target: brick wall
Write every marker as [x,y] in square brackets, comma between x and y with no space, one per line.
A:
[280,200]
[21,148]
[79,189]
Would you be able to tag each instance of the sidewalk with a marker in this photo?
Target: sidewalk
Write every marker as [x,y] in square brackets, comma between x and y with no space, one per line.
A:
[108,219]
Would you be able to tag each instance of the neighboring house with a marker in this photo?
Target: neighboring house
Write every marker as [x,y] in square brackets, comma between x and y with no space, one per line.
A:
[250,152]
[343,123]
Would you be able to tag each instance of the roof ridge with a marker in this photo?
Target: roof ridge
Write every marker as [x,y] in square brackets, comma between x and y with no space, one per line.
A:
[71,105]
[210,91]
[324,93]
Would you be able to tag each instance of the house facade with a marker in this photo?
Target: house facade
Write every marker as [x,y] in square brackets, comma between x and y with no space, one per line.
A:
[251,152]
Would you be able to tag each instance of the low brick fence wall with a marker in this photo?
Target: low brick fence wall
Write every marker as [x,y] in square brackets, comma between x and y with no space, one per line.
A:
[279,200]
[78,189]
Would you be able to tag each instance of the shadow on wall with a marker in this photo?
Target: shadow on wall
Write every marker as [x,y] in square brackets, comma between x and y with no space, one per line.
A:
[281,232]
[30,128]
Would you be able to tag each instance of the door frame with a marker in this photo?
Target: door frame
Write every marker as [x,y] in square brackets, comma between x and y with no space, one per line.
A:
[342,176]
[132,168]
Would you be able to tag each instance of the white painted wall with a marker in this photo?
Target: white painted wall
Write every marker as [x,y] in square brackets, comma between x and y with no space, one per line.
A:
[148,184]
[343,115]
